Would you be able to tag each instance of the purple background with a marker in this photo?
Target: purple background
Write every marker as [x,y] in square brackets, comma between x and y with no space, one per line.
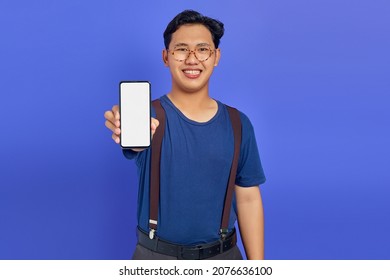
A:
[313,76]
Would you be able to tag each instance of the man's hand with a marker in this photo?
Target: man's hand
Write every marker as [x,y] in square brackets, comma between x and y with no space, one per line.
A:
[113,123]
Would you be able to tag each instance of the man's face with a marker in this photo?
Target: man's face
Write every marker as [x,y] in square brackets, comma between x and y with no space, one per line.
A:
[191,75]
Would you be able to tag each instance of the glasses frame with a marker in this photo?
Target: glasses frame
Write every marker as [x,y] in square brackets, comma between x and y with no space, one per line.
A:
[172,52]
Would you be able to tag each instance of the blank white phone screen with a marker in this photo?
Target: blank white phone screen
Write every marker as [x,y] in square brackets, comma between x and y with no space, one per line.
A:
[135,114]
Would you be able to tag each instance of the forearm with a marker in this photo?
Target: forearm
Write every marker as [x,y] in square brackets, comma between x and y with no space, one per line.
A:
[251,223]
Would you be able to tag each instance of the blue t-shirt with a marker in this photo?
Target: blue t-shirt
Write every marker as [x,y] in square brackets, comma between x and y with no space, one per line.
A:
[195,165]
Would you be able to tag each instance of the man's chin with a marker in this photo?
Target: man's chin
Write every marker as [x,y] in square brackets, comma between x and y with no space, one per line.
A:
[192,87]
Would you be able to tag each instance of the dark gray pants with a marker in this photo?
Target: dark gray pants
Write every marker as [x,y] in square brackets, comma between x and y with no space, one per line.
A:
[142,253]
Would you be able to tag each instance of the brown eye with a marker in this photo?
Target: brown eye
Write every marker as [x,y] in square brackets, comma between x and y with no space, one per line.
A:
[181,50]
[203,50]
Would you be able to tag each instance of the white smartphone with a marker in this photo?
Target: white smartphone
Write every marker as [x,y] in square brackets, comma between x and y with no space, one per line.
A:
[134,109]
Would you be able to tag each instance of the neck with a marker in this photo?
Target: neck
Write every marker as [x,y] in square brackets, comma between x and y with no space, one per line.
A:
[190,100]
[197,106]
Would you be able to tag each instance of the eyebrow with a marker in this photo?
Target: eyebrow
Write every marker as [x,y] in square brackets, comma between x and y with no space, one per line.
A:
[186,45]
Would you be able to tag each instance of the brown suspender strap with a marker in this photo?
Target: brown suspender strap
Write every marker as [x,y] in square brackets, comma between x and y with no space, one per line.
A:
[155,167]
[236,124]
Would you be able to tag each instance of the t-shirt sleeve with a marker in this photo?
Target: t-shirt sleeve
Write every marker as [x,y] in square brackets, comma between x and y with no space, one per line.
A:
[129,154]
[250,171]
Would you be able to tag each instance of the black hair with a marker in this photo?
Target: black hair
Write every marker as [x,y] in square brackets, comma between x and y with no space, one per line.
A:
[192,17]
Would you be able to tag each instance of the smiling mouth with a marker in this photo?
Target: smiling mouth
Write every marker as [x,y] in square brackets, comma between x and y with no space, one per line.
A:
[192,72]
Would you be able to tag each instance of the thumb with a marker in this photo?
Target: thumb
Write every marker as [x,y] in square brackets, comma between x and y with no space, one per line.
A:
[154,123]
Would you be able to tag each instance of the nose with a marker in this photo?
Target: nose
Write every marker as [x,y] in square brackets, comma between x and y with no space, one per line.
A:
[192,59]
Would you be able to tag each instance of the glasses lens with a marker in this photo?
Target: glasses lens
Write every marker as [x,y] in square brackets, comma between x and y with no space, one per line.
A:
[180,53]
[203,53]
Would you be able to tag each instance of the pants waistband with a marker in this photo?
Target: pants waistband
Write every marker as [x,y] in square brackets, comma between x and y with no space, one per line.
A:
[190,252]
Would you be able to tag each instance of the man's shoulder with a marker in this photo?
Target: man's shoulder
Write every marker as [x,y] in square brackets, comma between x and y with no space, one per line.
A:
[243,117]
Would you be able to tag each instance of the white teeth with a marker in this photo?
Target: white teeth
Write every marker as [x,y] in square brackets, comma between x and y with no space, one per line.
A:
[192,72]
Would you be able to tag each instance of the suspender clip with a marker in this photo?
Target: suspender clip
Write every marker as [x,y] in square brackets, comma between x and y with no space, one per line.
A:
[223,232]
[151,233]
[152,227]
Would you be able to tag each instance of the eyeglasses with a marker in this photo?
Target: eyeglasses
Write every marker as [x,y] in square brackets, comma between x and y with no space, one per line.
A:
[202,53]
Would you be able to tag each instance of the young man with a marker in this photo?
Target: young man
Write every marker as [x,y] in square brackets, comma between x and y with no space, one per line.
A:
[196,157]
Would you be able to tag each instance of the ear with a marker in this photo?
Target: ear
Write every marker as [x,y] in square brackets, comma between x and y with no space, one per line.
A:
[217,56]
[165,57]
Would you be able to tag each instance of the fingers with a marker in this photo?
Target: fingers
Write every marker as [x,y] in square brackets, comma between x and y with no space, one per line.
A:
[116,131]
[115,110]
[113,116]
[154,123]
[108,115]
[115,137]
[113,122]
[112,127]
